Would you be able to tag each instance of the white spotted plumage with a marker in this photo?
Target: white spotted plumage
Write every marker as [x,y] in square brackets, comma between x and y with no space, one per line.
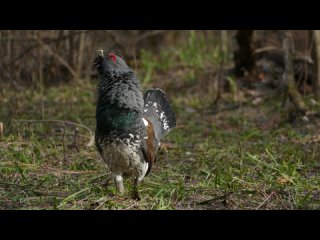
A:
[145,122]
[163,119]
[122,158]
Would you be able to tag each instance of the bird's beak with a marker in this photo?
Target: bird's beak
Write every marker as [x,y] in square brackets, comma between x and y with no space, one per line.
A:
[100,52]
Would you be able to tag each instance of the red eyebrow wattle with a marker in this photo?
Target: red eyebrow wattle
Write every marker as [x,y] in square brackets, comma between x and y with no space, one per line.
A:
[113,57]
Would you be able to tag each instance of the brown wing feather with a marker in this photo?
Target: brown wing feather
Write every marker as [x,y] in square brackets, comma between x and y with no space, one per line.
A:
[151,146]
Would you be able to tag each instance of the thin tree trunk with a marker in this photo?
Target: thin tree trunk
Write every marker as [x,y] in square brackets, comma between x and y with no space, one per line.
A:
[40,68]
[244,58]
[1,130]
[80,56]
[224,44]
[92,52]
[315,53]
[288,75]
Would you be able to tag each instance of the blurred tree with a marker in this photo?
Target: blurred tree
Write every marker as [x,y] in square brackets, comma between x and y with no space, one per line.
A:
[243,57]
[288,75]
[315,53]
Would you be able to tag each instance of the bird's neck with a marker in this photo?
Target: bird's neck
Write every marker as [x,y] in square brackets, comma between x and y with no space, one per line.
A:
[122,90]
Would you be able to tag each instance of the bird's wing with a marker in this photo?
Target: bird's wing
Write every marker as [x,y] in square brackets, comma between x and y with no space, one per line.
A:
[150,144]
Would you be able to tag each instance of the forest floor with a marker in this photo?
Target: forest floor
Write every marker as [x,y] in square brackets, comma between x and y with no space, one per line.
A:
[238,151]
[231,156]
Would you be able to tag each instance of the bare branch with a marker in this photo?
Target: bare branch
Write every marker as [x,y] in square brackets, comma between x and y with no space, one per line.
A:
[264,49]
[90,143]
[148,34]
[58,57]
[51,41]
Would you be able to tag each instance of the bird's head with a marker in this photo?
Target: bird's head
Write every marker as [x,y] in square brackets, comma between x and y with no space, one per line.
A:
[110,62]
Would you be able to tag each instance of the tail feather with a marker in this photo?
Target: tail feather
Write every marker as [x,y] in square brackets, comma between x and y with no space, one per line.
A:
[157,109]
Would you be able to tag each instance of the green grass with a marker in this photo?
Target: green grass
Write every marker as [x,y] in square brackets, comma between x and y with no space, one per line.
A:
[224,160]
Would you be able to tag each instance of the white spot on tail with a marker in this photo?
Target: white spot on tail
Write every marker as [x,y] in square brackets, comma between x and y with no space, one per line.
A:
[163,119]
[145,122]
[165,125]
[146,106]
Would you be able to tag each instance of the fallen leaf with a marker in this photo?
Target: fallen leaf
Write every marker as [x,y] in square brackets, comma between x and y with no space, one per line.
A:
[283,180]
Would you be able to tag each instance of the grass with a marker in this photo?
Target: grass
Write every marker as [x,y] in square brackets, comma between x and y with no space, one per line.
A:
[225,160]
[221,161]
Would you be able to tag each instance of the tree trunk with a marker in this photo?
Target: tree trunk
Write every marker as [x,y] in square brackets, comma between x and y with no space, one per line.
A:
[1,130]
[315,54]
[244,58]
[288,75]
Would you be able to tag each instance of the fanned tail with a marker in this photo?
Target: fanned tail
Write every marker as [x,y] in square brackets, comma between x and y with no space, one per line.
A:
[157,109]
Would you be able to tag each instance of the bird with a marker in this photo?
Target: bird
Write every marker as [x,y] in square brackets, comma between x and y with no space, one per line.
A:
[129,124]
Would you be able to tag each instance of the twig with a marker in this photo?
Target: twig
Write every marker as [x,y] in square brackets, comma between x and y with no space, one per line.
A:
[131,206]
[265,201]
[264,49]
[207,201]
[69,172]
[105,199]
[90,143]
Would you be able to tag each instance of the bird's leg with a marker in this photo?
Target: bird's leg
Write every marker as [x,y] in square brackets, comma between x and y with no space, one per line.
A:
[118,179]
[135,193]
